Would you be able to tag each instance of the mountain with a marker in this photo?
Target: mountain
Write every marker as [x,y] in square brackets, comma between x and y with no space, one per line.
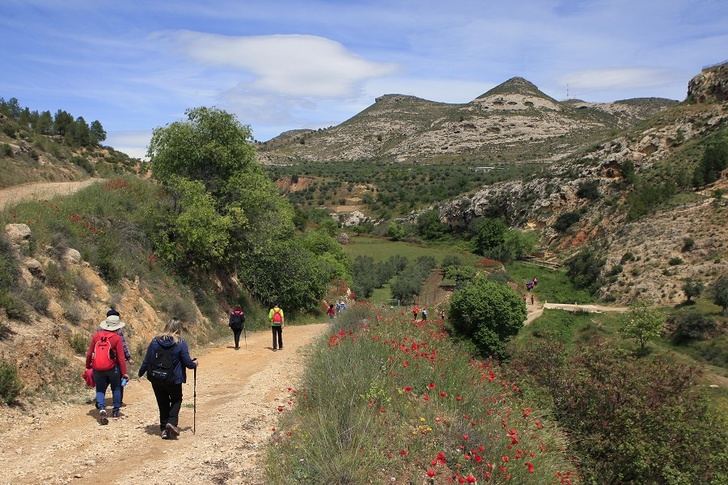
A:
[642,206]
[512,122]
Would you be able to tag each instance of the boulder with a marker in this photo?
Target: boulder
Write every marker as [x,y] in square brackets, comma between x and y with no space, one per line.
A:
[343,238]
[35,268]
[354,219]
[18,234]
[71,256]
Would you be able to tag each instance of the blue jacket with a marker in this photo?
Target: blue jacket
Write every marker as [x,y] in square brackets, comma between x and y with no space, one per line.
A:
[181,357]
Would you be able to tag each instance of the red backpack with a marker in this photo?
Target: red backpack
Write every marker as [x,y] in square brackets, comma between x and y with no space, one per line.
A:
[277,316]
[103,358]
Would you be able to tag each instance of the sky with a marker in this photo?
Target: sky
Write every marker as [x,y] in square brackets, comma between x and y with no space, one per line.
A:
[281,64]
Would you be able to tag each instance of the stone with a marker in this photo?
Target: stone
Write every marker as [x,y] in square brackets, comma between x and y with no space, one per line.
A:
[18,234]
[343,238]
[71,256]
[35,268]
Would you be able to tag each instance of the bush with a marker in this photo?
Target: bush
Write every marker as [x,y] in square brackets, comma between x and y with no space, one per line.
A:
[14,308]
[585,268]
[409,282]
[429,225]
[36,297]
[626,258]
[691,326]
[626,415]
[5,150]
[84,163]
[78,342]
[566,220]
[642,323]
[73,312]
[10,385]
[488,313]
[675,261]
[719,292]
[489,234]
[688,244]
[57,277]
[692,289]
[9,271]
[84,288]
[714,161]
[589,190]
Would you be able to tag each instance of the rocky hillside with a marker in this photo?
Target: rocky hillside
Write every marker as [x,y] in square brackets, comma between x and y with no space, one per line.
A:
[513,122]
[631,194]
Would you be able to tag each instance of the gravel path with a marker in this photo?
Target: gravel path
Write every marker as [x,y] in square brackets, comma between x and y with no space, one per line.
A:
[41,191]
[238,394]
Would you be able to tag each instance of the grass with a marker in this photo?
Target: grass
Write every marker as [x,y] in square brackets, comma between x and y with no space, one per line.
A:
[417,403]
[380,249]
[553,286]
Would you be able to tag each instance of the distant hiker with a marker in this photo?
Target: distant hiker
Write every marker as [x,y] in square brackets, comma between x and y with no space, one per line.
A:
[424,314]
[531,298]
[331,312]
[415,312]
[165,364]
[529,285]
[236,323]
[534,281]
[277,321]
[127,354]
[105,355]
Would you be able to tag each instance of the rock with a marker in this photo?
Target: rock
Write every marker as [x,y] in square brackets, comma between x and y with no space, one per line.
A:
[343,238]
[35,268]
[353,219]
[71,256]
[18,234]
[710,86]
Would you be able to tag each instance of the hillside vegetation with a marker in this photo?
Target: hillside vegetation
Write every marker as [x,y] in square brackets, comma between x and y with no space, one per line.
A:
[39,146]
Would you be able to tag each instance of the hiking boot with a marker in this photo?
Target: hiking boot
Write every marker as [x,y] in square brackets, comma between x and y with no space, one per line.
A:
[103,418]
[165,436]
[115,413]
[172,430]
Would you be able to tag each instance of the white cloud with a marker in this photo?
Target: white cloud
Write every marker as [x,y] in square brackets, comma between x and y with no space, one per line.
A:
[293,65]
[620,78]
[133,143]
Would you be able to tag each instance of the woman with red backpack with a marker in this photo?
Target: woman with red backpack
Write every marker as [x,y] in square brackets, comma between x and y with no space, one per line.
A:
[105,355]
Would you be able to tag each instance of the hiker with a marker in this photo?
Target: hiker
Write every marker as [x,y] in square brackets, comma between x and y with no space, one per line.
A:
[127,354]
[424,314]
[534,281]
[166,363]
[277,321]
[236,324]
[531,298]
[331,312]
[415,312]
[105,355]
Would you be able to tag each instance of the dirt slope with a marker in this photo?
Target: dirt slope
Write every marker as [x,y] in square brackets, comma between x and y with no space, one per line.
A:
[238,394]
[41,191]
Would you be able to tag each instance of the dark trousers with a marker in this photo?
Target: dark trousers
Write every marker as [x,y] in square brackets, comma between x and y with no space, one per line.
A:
[236,336]
[103,379]
[169,400]
[277,331]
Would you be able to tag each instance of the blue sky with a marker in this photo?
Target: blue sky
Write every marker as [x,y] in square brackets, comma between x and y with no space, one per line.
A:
[279,65]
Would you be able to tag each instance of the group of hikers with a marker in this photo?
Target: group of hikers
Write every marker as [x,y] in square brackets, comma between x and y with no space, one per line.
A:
[165,364]
[416,311]
[334,309]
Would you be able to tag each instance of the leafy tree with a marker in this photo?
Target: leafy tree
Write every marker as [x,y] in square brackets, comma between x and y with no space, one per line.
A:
[62,123]
[44,125]
[692,289]
[210,146]
[79,133]
[490,235]
[487,312]
[97,134]
[642,323]
[720,293]
[429,225]
[692,326]
[584,269]
[714,161]
[396,231]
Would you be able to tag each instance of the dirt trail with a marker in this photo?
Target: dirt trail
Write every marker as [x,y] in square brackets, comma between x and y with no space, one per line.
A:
[238,393]
[41,191]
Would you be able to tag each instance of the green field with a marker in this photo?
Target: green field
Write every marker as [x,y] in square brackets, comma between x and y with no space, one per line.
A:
[380,249]
[553,286]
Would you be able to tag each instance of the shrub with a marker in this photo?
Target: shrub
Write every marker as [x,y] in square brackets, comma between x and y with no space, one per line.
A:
[396,231]
[10,385]
[429,225]
[691,326]
[5,150]
[57,277]
[488,313]
[84,163]
[36,297]
[626,415]
[78,342]
[688,244]
[566,220]
[84,288]
[9,271]
[714,161]
[642,323]
[489,234]
[73,312]
[409,282]
[675,261]
[584,268]
[626,257]
[589,190]
[14,308]
[719,292]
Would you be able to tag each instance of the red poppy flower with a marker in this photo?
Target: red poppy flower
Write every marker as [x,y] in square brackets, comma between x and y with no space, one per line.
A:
[527,412]
[426,397]
[505,458]
[431,473]
[538,424]
[407,388]
[529,465]
[431,385]
[443,394]
[458,397]
[280,409]
[403,452]
[471,479]
[466,437]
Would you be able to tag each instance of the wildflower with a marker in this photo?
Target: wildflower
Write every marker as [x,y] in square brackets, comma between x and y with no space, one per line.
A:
[458,397]
[538,424]
[529,465]
[403,452]
[407,388]
[431,385]
[505,458]
[471,479]
[405,364]
[431,473]
[426,397]
[280,409]
[527,412]
[443,394]
[466,437]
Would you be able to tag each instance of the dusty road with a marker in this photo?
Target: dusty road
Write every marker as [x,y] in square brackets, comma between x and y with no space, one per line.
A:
[41,191]
[238,394]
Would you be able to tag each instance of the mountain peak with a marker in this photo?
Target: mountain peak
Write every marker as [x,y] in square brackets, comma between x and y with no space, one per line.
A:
[516,85]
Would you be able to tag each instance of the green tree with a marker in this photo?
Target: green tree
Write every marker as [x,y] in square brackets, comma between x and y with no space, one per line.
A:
[720,293]
[62,123]
[97,134]
[488,313]
[429,225]
[79,133]
[210,146]
[642,323]
[714,161]
[44,125]
[395,231]
[489,235]
[584,269]
[692,289]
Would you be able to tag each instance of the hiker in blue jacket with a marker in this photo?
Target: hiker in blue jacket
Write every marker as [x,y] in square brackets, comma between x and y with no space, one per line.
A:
[165,364]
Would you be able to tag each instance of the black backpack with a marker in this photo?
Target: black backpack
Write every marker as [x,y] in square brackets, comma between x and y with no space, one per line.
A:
[162,366]
[237,320]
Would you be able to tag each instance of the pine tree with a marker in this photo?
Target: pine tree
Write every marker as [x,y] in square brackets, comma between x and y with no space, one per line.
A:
[97,133]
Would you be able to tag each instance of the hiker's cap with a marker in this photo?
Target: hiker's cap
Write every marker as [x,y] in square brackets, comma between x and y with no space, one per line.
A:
[112,323]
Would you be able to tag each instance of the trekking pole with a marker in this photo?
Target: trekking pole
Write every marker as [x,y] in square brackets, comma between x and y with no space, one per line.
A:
[194,400]
[245,335]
